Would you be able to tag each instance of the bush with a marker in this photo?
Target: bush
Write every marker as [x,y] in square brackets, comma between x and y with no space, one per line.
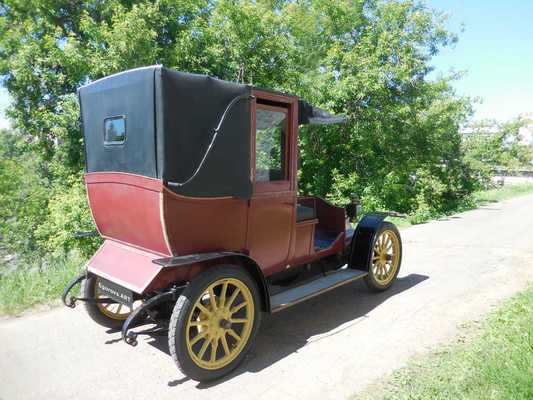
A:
[23,198]
[68,213]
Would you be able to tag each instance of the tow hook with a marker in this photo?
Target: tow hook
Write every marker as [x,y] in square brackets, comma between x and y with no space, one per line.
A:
[71,303]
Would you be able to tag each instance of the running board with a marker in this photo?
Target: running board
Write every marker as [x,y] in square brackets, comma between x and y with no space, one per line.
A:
[318,286]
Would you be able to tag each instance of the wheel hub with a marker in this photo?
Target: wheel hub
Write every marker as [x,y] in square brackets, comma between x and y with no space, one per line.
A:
[225,324]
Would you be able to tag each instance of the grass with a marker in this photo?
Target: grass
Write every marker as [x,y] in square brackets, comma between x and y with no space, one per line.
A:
[24,288]
[494,360]
[506,192]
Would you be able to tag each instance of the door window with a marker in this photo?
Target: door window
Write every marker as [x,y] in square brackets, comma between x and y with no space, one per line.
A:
[271,144]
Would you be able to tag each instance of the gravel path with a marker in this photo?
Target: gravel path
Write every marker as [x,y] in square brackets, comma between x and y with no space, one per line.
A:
[453,271]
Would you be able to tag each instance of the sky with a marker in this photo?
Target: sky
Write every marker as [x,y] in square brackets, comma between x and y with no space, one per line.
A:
[495,49]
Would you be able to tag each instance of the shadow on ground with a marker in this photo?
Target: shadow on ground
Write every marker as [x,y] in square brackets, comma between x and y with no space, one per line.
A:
[283,333]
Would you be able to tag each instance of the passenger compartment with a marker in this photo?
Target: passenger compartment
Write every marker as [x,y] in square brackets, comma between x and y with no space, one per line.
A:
[319,224]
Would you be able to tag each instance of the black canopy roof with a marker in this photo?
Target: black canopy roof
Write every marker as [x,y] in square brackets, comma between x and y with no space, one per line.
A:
[311,115]
[168,118]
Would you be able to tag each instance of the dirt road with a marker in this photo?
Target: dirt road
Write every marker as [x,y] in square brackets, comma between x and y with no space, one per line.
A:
[453,271]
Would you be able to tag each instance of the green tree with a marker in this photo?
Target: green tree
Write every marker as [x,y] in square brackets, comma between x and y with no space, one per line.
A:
[375,72]
[366,59]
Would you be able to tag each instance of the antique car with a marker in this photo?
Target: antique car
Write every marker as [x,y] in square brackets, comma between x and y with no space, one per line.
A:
[192,182]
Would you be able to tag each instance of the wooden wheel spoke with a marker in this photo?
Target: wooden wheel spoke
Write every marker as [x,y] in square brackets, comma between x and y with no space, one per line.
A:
[199,323]
[212,299]
[202,308]
[238,320]
[231,332]
[214,347]
[225,344]
[237,307]
[222,300]
[233,296]
[203,349]
[198,337]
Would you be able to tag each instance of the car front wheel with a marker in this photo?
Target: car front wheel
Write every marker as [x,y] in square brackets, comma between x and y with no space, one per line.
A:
[386,258]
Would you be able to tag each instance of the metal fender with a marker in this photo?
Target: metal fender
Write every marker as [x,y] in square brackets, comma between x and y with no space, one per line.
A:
[245,261]
[363,239]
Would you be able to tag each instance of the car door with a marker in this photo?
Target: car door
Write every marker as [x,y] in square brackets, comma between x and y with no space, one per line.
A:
[273,203]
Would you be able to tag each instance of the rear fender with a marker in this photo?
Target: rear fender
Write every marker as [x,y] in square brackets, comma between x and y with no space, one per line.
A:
[223,257]
[363,240]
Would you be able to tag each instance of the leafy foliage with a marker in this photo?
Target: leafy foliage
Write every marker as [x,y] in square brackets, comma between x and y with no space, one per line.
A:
[23,196]
[67,214]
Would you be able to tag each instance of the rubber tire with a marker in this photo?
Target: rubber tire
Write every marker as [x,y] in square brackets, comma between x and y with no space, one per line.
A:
[369,279]
[178,321]
[87,290]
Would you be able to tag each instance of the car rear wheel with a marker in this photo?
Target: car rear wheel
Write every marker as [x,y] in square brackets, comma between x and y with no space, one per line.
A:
[108,315]
[386,258]
[214,322]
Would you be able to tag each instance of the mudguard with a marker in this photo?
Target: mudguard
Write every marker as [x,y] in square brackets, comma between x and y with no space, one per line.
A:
[247,262]
[363,239]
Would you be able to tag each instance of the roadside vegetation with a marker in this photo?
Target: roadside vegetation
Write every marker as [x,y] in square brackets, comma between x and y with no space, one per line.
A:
[472,202]
[490,360]
[38,282]
[368,60]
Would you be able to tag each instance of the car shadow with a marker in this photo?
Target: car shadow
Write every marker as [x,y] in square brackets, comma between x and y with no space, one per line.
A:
[320,315]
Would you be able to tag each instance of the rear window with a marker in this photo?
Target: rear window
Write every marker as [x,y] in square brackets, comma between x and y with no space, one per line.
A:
[115,130]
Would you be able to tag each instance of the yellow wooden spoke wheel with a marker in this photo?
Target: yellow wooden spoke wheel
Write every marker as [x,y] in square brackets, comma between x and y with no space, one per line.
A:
[214,322]
[220,324]
[385,259]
